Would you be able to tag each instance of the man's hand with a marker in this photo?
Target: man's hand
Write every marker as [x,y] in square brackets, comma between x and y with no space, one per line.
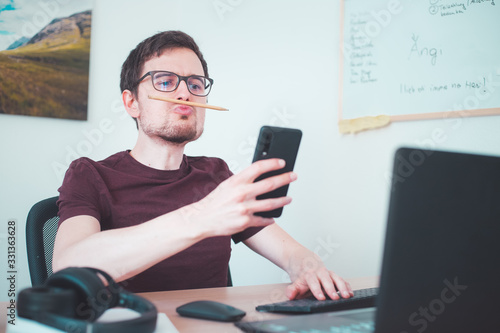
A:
[230,207]
[319,281]
[305,268]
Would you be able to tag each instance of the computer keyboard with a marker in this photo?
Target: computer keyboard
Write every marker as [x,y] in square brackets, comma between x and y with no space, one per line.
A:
[363,298]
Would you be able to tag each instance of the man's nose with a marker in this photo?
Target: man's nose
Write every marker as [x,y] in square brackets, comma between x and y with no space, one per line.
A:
[182,91]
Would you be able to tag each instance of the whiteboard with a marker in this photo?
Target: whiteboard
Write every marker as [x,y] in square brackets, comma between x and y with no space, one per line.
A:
[419,59]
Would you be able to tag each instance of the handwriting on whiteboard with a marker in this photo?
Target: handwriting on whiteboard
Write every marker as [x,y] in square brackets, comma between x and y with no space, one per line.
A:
[424,51]
[449,8]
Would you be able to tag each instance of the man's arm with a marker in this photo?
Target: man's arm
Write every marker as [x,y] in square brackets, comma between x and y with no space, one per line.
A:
[123,252]
[126,252]
[305,268]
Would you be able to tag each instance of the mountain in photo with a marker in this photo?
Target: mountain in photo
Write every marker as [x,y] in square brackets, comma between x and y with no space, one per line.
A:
[20,42]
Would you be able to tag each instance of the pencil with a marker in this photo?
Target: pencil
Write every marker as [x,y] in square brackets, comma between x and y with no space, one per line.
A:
[179,101]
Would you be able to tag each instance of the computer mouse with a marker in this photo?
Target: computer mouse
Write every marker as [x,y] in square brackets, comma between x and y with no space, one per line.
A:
[210,310]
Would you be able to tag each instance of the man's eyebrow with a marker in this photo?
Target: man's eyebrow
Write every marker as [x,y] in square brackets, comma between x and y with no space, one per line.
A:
[169,72]
[164,73]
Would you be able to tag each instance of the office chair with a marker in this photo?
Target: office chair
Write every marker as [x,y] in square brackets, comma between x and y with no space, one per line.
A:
[229,280]
[41,229]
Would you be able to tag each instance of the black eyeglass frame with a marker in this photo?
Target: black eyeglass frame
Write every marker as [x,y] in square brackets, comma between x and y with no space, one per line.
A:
[180,78]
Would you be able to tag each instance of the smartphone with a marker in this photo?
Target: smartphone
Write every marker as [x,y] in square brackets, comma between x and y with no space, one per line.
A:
[276,142]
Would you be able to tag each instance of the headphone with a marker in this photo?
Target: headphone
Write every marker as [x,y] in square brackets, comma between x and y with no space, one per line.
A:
[73,298]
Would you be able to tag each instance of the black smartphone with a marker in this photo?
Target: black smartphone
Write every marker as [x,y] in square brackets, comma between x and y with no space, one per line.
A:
[277,142]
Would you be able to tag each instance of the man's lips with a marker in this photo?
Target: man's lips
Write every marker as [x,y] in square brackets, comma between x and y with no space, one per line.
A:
[185,110]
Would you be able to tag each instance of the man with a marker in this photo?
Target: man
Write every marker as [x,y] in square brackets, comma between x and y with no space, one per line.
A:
[159,220]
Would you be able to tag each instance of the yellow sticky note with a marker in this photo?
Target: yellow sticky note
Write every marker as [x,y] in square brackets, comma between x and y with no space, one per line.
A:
[362,124]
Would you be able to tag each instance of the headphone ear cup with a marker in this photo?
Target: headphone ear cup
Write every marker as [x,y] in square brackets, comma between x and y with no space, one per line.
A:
[32,302]
[92,298]
[73,298]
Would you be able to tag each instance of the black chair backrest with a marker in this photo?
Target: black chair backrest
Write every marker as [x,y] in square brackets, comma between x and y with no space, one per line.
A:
[229,279]
[41,229]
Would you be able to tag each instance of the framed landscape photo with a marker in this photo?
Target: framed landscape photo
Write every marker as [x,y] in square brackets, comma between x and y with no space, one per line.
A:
[44,58]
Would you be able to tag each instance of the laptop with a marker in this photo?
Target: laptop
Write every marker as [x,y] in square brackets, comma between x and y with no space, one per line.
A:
[441,263]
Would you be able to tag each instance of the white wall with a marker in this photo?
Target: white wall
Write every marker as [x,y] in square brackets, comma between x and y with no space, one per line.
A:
[274,62]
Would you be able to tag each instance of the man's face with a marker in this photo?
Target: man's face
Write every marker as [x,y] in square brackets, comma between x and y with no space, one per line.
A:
[175,123]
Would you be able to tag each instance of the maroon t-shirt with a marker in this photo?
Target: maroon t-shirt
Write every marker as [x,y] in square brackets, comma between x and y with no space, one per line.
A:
[121,192]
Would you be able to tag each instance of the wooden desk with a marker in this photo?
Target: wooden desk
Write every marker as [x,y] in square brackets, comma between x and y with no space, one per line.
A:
[245,298]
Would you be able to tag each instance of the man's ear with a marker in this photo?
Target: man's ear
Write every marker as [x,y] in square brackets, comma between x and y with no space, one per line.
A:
[130,103]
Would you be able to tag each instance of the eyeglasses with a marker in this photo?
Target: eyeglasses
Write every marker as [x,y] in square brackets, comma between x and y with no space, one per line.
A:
[168,81]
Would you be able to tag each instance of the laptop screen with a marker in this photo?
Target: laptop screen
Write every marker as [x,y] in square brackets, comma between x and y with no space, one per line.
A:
[440,268]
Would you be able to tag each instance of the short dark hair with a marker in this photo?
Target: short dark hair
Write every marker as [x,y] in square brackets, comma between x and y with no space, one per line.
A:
[151,47]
